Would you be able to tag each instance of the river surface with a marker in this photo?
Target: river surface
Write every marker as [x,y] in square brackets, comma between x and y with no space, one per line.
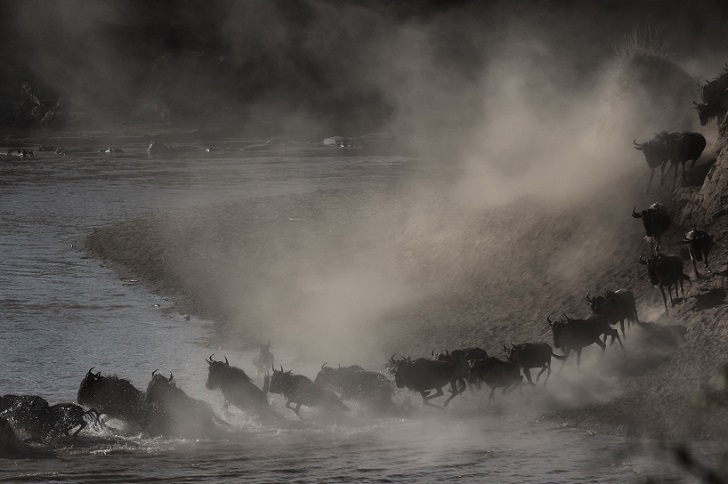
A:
[63,312]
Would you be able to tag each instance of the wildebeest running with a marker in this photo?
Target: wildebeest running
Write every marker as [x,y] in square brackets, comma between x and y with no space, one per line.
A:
[676,147]
[666,271]
[617,305]
[656,221]
[459,359]
[531,355]
[576,334]
[300,390]
[699,244]
[184,416]
[355,383]
[715,99]
[422,375]
[237,388]
[496,374]
[115,397]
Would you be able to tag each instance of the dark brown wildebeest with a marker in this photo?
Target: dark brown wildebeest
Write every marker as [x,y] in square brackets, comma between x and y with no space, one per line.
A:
[684,147]
[355,383]
[115,397]
[422,375]
[656,221]
[532,355]
[300,390]
[496,374]
[699,244]
[41,421]
[183,415]
[460,358]
[715,99]
[657,154]
[576,334]
[666,271]
[618,305]
[237,388]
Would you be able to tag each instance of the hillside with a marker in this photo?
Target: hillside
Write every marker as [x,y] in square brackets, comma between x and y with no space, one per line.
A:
[355,275]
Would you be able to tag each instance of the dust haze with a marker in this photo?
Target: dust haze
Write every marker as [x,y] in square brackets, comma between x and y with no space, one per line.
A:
[525,111]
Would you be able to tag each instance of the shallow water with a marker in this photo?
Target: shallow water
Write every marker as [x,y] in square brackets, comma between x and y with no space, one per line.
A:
[63,313]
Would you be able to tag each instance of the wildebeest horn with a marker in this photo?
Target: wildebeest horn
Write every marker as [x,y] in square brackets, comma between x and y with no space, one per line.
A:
[281,368]
[89,372]
[273,368]
[171,376]
[226,362]
[209,360]
[548,318]
[391,358]
[637,146]
[154,372]
[635,214]
[695,103]
[433,352]
[447,352]
[589,298]
[642,260]
[567,318]
[322,366]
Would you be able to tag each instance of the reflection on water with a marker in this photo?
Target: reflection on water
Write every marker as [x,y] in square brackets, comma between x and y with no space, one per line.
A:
[63,313]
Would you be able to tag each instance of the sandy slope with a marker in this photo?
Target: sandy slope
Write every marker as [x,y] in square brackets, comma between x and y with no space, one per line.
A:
[356,275]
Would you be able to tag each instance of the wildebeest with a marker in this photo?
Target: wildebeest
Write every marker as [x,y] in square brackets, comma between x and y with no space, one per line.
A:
[42,421]
[355,383]
[237,388]
[617,305]
[656,221]
[300,390]
[657,154]
[531,355]
[684,147]
[459,359]
[715,99]
[699,244]
[264,359]
[576,334]
[666,271]
[115,397]
[184,415]
[496,374]
[422,375]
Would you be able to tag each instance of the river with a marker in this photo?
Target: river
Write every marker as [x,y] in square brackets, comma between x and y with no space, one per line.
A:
[63,312]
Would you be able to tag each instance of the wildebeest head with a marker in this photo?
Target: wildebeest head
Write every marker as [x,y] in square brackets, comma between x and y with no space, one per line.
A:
[216,371]
[396,367]
[557,328]
[159,387]
[280,380]
[656,151]
[112,395]
[651,263]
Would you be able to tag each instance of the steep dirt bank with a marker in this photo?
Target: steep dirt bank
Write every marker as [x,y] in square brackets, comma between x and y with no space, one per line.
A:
[355,275]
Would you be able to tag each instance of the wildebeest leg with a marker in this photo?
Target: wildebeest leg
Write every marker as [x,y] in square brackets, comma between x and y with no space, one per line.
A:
[695,266]
[578,352]
[707,267]
[615,335]
[527,372]
[664,299]
[621,326]
[295,409]
[547,366]
[491,397]
[453,392]
[426,397]
[563,362]
[674,175]
[652,174]
[662,173]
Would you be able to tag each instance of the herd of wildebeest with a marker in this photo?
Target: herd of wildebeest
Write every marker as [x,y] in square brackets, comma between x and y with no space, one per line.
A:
[165,410]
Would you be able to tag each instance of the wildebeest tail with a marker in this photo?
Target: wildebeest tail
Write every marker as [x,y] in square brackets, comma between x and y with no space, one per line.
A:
[558,357]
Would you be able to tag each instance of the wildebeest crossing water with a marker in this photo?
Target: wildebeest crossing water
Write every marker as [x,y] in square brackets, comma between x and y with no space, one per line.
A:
[64,313]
